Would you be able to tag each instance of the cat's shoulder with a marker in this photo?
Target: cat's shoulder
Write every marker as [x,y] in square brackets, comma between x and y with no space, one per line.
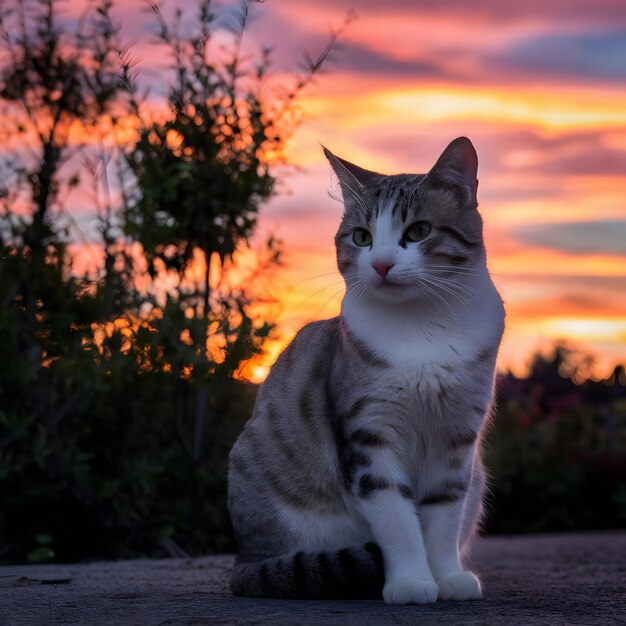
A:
[318,329]
[312,337]
[316,332]
[309,350]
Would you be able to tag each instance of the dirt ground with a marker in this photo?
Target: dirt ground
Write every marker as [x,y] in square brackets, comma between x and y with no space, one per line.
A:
[544,579]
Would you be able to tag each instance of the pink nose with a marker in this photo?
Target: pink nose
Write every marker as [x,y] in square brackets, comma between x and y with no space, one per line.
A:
[382,267]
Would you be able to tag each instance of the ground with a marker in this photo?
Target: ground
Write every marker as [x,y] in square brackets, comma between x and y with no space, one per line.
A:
[546,579]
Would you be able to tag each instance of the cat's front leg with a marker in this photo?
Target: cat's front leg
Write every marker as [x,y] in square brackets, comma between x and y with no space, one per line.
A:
[387,504]
[441,519]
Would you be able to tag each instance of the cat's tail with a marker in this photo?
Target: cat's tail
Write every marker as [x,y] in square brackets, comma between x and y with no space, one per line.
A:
[355,572]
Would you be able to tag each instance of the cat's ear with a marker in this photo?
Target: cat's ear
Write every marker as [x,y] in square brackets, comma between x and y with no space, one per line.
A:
[343,169]
[352,178]
[457,166]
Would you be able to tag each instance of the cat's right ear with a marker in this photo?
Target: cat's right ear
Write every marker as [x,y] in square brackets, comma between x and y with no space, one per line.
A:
[457,167]
[352,178]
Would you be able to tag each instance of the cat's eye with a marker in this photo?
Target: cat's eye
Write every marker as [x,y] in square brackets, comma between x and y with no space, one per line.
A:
[362,237]
[417,231]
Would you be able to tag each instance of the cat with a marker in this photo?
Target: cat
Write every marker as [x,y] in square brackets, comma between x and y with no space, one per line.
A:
[360,470]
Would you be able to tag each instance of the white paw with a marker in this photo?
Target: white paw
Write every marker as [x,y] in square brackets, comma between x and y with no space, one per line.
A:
[407,590]
[459,586]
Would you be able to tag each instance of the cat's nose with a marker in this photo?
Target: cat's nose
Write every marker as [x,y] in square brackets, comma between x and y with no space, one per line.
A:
[382,267]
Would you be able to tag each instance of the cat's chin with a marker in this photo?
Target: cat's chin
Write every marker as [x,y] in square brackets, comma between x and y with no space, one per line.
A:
[388,293]
[392,292]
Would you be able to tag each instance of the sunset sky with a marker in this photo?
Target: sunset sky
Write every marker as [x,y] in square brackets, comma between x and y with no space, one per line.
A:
[540,89]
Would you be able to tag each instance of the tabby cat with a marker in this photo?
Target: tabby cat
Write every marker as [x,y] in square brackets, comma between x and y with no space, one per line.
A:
[360,470]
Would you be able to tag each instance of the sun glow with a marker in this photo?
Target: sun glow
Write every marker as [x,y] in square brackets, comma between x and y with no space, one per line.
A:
[588,109]
[594,330]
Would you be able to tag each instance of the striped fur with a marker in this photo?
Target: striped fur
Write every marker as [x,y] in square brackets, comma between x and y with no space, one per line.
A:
[364,445]
[345,573]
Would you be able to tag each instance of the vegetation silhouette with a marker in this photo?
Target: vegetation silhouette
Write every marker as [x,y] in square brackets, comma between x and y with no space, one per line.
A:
[118,401]
[557,451]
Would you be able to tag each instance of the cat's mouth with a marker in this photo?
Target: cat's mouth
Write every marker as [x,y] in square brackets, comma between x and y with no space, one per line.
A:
[386,282]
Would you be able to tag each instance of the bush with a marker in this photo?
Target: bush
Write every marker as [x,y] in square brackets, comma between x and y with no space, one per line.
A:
[557,452]
[118,396]
[107,471]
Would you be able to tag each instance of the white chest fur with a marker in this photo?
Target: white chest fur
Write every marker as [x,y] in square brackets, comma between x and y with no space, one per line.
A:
[415,337]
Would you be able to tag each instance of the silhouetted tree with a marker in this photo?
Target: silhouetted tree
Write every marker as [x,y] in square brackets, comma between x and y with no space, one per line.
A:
[203,174]
[56,86]
[112,381]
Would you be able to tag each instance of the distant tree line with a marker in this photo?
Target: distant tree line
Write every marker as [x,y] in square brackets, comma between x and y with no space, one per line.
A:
[557,451]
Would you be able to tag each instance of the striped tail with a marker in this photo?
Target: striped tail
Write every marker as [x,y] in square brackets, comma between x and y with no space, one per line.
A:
[348,573]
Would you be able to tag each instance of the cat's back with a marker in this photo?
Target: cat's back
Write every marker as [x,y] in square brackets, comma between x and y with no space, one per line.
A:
[293,396]
[286,458]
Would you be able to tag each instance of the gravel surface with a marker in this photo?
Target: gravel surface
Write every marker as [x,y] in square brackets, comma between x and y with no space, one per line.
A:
[543,579]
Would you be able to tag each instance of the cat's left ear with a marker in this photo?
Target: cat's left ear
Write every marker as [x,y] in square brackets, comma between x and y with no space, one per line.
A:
[352,180]
[457,166]
[348,172]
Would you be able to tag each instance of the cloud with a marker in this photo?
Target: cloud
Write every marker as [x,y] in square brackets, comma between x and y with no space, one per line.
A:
[587,153]
[516,164]
[610,11]
[293,34]
[616,284]
[597,162]
[597,55]
[360,59]
[602,236]
[566,304]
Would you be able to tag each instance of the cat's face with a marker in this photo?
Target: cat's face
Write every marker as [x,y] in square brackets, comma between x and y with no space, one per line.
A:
[410,237]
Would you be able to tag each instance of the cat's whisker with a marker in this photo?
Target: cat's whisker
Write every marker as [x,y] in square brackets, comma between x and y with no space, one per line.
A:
[434,292]
[456,289]
[468,289]
[363,288]
[475,298]
[449,291]
[328,300]
[433,273]
[500,279]
[461,271]
[445,281]
[306,280]
[428,296]
[317,292]
[356,284]
[454,270]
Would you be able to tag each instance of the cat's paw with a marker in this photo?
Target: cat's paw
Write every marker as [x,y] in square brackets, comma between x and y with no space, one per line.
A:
[459,586]
[408,590]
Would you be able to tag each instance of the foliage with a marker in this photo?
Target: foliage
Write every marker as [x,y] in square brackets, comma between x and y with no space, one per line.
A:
[53,84]
[202,171]
[557,452]
[118,396]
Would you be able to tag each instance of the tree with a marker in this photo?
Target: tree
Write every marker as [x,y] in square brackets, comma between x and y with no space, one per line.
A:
[56,85]
[204,172]
[112,381]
